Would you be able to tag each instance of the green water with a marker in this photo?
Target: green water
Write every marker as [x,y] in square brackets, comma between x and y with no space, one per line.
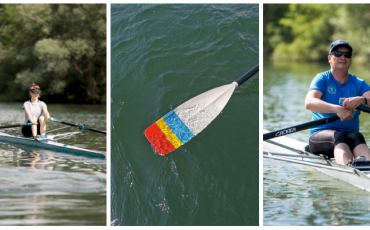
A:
[163,55]
[295,194]
[44,187]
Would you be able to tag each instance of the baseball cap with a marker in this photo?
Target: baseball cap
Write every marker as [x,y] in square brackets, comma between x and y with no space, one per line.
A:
[35,89]
[339,43]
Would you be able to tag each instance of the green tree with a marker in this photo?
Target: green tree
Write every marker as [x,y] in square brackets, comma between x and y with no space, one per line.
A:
[311,32]
[352,24]
[304,32]
[62,47]
[273,33]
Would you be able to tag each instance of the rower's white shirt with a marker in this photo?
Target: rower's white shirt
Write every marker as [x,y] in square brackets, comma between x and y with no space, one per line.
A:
[35,109]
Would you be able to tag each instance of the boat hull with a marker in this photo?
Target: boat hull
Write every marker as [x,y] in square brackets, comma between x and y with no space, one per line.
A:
[355,177]
[51,145]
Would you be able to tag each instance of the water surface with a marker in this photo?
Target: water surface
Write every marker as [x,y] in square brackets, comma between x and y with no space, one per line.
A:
[163,55]
[44,187]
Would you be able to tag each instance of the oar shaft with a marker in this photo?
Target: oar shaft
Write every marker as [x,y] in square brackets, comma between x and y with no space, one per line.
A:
[94,130]
[248,75]
[13,126]
[296,128]
[364,108]
[80,126]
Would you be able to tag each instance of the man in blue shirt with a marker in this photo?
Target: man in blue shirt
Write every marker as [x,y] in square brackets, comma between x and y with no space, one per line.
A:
[340,139]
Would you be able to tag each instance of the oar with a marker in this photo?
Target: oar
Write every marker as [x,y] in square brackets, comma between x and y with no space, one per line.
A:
[81,126]
[364,108]
[17,125]
[300,127]
[190,118]
[310,124]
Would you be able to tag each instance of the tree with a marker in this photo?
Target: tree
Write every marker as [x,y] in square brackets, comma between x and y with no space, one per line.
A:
[61,47]
[304,32]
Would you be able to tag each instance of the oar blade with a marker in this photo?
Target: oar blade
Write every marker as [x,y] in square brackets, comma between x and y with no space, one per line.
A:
[187,120]
[168,133]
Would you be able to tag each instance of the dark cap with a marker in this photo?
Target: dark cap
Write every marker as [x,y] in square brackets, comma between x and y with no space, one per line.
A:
[339,43]
[35,89]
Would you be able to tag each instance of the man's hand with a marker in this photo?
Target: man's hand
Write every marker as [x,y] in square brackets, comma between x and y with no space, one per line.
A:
[344,114]
[352,103]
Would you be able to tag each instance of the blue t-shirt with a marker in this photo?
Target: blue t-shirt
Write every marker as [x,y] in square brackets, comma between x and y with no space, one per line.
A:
[332,90]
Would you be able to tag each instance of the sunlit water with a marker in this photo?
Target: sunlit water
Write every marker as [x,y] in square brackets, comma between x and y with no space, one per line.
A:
[162,56]
[44,187]
[296,194]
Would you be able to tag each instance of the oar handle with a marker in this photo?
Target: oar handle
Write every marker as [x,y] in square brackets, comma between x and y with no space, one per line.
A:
[304,126]
[363,108]
[17,125]
[248,75]
[81,126]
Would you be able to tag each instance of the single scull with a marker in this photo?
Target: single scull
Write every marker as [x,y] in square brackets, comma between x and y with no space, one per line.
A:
[290,150]
[51,143]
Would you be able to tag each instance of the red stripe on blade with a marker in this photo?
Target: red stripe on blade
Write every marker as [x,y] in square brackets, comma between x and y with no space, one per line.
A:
[158,140]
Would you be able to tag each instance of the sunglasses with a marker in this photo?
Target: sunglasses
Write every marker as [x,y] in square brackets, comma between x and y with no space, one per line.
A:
[34,87]
[340,53]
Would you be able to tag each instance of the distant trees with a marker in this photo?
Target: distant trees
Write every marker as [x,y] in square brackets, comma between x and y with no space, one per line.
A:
[304,32]
[61,47]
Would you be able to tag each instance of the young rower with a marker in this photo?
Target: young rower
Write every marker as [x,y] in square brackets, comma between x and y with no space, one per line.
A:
[33,109]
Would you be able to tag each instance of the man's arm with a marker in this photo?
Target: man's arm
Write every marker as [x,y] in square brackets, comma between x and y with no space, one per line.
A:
[314,103]
[367,95]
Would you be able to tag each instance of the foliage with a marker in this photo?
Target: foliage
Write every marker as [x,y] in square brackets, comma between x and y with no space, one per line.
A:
[61,47]
[304,32]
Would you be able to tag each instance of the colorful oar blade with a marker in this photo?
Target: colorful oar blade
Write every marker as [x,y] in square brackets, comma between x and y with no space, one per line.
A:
[187,120]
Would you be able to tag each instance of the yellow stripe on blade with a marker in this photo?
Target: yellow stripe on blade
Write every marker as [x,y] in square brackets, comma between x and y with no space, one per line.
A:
[169,134]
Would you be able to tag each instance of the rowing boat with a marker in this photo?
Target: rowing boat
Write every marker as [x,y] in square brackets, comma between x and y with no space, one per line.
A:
[51,142]
[294,151]
[50,145]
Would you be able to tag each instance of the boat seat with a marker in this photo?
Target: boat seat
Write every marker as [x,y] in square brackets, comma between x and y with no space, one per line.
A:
[307,149]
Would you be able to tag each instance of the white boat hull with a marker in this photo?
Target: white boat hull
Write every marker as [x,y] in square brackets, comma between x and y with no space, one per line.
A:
[357,178]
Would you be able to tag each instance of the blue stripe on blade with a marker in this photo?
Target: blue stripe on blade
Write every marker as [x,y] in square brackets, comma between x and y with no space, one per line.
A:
[178,127]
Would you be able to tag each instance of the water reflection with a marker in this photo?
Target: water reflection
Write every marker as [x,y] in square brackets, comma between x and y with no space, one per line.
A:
[37,160]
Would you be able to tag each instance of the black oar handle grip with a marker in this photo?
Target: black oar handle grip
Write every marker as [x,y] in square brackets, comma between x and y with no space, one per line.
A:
[248,74]
[293,129]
